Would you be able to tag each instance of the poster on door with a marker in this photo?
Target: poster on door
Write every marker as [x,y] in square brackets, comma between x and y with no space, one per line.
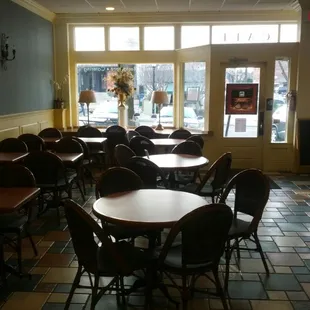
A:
[241,98]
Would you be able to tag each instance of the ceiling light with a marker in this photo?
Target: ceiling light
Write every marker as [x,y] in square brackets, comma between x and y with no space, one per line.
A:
[110,8]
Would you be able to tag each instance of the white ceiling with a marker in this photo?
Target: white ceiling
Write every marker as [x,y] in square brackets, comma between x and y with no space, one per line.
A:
[123,6]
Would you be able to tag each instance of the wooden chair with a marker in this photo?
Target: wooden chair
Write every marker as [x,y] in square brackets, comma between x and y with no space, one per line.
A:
[50,133]
[115,260]
[203,234]
[142,146]
[15,226]
[180,134]
[146,131]
[13,145]
[33,142]
[131,133]
[214,181]
[251,189]
[122,154]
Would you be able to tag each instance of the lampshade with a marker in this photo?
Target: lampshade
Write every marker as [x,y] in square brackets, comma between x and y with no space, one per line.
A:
[87,96]
[159,97]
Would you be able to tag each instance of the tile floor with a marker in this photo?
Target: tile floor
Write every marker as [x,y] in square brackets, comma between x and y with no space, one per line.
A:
[285,237]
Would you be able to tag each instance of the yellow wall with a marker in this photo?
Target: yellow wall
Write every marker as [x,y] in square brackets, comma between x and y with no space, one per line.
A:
[32,122]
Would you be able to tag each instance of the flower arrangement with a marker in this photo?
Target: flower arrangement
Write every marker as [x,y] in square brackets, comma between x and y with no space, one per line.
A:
[58,88]
[123,84]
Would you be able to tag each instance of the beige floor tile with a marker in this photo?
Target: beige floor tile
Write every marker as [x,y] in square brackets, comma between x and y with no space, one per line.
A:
[277,295]
[297,296]
[306,287]
[60,275]
[58,298]
[56,260]
[57,236]
[39,270]
[198,304]
[251,265]
[26,301]
[45,244]
[240,305]
[215,304]
[279,269]
[271,305]
[27,253]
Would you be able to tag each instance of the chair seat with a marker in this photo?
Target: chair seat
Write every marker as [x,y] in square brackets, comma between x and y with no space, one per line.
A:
[12,222]
[174,259]
[134,257]
[239,228]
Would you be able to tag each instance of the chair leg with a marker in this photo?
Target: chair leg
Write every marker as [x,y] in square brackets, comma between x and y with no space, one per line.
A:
[260,250]
[80,189]
[122,290]
[219,288]
[94,293]
[185,293]
[19,252]
[237,248]
[227,258]
[74,286]
[35,250]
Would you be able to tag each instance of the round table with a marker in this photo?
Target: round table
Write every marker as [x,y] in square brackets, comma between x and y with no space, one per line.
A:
[167,142]
[147,208]
[178,161]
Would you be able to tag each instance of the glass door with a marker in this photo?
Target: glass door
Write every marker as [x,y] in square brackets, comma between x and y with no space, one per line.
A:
[243,117]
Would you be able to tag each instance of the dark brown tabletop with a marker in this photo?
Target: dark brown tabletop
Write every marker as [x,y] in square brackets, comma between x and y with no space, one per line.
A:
[149,208]
[11,157]
[93,140]
[167,142]
[12,199]
[70,157]
[178,161]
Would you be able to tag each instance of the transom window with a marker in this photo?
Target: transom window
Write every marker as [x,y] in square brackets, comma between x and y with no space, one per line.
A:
[124,39]
[89,39]
[159,38]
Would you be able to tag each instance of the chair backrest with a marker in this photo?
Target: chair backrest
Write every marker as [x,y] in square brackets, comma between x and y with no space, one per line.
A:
[123,153]
[198,139]
[13,145]
[82,228]
[146,131]
[252,190]
[50,133]
[47,168]
[140,143]
[147,171]
[220,170]
[80,129]
[33,142]
[132,133]
[187,147]
[204,233]
[89,132]
[117,179]
[180,134]
[84,146]
[13,175]
[68,145]
[116,129]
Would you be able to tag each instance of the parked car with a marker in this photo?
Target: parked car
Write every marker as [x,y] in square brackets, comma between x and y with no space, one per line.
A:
[279,120]
[104,115]
[190,118]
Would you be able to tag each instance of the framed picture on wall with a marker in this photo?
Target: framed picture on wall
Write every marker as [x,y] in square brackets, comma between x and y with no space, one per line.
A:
[192,93]
[241,98]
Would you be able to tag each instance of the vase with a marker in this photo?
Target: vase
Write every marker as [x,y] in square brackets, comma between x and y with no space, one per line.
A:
[121,100]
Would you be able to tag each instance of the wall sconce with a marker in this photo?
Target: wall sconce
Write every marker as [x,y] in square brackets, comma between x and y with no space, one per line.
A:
[5,51]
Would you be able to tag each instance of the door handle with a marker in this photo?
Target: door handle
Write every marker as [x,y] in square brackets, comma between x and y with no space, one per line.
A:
[261,119]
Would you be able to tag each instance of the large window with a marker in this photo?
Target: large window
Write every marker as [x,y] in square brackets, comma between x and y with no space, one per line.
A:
[124,38]
[89,38]
[159,38]
[194,95]
[141,111]
[280,107]
[192,36]
[234,34]
[288,33]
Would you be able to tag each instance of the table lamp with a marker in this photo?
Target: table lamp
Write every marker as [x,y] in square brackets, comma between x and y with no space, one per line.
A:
[87,96]
[159,97]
